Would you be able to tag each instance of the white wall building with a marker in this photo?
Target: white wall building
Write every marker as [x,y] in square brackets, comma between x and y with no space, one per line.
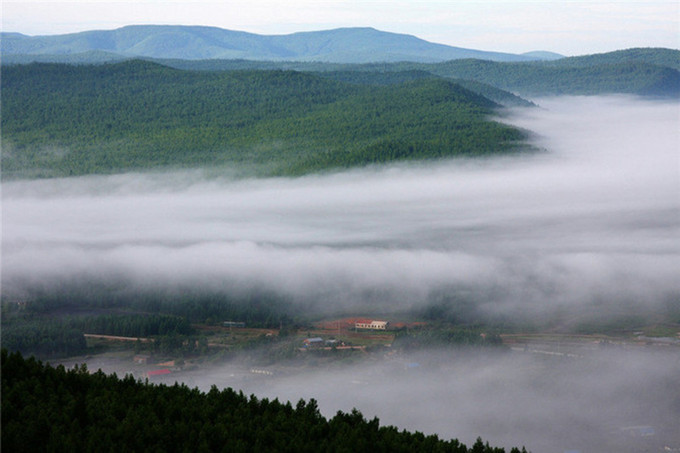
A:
[373,325]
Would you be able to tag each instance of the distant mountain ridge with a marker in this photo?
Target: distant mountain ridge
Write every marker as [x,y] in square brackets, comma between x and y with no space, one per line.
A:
[341,45]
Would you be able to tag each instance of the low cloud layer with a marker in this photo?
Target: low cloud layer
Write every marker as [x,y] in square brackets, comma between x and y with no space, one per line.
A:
[589,227]
[549,403]
[595,217]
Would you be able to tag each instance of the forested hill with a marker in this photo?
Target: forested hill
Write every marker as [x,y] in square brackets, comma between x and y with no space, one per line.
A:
[497,95]
[61,120]
[652,55]
[52,409]
[639,71]
[642,71]
[530,80]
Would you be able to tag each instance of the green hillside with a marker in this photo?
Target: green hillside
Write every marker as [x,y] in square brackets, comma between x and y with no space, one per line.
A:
[538,79]
[646,72]
[652,55]
[61,120]
[639,71]
[379,78]
[52,409]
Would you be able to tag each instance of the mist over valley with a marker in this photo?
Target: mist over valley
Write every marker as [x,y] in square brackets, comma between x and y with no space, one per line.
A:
[591,220]
[577,238]
[460,243]
[340,227]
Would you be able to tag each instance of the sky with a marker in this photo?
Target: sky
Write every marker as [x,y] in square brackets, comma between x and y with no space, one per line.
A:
[566,27]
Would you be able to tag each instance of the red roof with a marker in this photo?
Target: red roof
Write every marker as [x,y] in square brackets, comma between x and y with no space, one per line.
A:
[158,372]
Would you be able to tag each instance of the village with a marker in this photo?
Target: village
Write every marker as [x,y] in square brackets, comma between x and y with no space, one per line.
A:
[360,355]
[348,336]
[344,340]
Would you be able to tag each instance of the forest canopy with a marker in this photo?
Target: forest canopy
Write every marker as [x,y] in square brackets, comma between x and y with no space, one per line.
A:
[64,120]
[55,409]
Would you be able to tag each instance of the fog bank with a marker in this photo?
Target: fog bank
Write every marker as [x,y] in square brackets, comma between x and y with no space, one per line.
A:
[548,403]
[587,229]
[594,218]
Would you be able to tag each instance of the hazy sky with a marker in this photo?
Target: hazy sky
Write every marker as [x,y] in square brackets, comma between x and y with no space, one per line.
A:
[567,27]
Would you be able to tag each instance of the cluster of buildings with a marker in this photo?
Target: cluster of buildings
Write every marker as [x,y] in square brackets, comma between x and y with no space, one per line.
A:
[165,367]
[371,325]
[320,343]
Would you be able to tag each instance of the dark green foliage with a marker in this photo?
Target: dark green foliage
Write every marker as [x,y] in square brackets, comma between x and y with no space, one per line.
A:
[53,324]
[43,338]
[634,71]
[54,409]
[32,333]
[257,308]
[651,55]
[61,120]
[648,72]
[540,79]
[380,78]
[641,71]
[136,325]
[497,95]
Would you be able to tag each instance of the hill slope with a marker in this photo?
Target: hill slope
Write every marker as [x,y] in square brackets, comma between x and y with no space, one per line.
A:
[651,55]
[645,72]
[53,409]
[343,45]
[533,79]
[62,120]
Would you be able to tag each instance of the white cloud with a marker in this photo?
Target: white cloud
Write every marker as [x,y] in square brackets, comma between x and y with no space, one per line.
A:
[596,217]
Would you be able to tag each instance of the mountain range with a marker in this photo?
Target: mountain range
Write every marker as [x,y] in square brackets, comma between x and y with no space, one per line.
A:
[144,97]
[342,45]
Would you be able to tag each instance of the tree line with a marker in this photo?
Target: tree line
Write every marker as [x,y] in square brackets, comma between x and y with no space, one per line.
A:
[55,409]
[53,324]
